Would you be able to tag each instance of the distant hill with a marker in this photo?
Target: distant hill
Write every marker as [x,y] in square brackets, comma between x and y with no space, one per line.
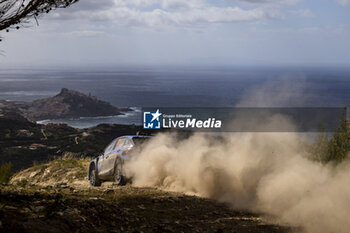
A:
[23,142]
[68,104]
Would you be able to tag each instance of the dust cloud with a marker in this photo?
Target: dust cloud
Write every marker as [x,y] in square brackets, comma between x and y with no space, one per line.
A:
[267,173]
[261,172]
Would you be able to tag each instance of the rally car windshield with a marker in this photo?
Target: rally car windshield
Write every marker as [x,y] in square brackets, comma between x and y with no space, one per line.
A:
[139,141]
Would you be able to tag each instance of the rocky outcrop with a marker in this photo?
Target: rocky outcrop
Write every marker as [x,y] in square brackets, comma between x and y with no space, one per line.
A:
[69,104]
[72,172]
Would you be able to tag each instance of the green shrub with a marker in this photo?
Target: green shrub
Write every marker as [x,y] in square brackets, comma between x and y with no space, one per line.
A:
[335,149]
[339,145]
[5,172]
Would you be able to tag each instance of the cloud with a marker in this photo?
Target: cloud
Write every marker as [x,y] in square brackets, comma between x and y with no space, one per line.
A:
[344,2]
[303,13]
[270,2]
[84,33]
[136,3]
[91,5]
[165,4]
[210,15]
[163,13]
[181,4]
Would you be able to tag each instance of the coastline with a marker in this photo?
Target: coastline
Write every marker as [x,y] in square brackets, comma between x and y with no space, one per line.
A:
[132,117]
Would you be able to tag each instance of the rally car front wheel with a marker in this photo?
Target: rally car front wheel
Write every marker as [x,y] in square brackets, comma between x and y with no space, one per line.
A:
[118,174]
[94,180]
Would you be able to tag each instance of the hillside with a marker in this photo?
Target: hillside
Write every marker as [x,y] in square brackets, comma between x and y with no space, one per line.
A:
[56,197]
[23,142]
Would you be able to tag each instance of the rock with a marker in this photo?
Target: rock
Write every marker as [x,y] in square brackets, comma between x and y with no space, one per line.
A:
[33,174]
[19,190]
[38,209]
[61,185]
[26,210]
[60,213]
[141,207]
[69,104]
[108,191]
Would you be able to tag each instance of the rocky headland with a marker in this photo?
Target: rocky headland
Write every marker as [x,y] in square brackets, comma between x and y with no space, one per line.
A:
[66,104]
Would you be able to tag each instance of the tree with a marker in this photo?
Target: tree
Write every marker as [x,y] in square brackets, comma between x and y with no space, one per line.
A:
[16,13]
[339,145]
[5,173]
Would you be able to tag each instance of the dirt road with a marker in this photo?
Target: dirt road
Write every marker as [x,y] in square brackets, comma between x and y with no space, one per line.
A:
[56,197]
[114,209]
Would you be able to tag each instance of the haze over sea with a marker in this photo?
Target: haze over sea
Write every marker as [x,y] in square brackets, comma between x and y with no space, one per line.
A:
[182,87]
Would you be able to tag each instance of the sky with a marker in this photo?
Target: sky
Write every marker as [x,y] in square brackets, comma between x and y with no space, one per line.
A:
[185,32]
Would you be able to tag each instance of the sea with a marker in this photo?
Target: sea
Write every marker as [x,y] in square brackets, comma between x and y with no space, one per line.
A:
[180,86]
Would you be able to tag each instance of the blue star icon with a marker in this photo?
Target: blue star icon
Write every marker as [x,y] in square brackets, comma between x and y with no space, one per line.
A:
[156,115]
